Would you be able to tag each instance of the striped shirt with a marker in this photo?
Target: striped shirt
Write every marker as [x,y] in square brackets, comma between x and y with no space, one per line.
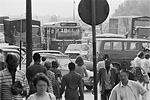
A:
[6,83]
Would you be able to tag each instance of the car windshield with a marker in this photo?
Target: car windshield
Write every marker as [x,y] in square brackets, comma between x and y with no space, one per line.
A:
[78,47]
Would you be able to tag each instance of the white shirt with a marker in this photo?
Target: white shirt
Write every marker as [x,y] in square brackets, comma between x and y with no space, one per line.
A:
[126,93]
[137,62]
[145,64]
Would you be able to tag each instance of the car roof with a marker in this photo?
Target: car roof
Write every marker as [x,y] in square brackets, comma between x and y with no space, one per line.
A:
[123,39]
[44,51]
[7,50]
[52,55]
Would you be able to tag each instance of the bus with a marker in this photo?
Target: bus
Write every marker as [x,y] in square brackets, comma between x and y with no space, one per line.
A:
[15,30]
[58,35]
[127,25]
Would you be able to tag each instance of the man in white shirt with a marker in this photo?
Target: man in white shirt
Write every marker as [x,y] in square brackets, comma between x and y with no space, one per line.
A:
[127,89]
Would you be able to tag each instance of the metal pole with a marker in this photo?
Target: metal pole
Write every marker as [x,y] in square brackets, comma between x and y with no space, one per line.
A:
[28,32]
[93,12]
[20,42]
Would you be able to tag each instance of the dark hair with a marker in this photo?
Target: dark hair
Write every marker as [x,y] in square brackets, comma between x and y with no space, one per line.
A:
[147,56]
[11,56]
[36,57]
[43,58]
[47,65]
[54,64]
[79,61]
[123,71]
[105,56]
[140,54]
[40,76]
[71,66]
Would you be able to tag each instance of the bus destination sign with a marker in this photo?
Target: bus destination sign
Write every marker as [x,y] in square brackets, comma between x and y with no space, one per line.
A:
[68,24]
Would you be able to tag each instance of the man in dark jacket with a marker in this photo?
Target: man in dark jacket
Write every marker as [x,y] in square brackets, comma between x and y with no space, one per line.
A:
[107,78]
[33,70]
[72,81]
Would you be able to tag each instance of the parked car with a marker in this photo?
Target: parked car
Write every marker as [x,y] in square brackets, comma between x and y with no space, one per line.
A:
[63,61]
[74,50]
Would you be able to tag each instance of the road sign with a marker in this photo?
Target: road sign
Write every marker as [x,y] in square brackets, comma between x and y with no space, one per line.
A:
[101,8]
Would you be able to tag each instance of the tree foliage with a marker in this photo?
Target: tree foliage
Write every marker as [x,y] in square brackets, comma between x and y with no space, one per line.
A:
[133,8]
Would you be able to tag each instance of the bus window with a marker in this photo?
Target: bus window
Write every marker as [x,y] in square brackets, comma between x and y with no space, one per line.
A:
[117,46]
[107,46]
[131,46]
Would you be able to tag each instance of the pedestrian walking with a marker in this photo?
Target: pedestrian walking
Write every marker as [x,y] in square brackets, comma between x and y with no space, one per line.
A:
[70,84]
[58,76]
[80,67]
[145,65]
[50,75]
[137,65]
[33,70]
[101,63]
[127,89]
[41,83]
[107,78]
[43,61]
[13,82]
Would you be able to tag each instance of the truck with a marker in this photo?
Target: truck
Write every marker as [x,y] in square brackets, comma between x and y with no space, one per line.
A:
[15,31]
[130,26]
[2,28]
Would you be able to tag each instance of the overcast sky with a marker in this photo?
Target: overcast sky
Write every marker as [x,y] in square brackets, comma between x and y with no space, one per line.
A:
[62,8]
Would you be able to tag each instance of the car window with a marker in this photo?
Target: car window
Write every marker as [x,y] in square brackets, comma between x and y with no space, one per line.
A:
[132,46]
[107,46]
[117,46]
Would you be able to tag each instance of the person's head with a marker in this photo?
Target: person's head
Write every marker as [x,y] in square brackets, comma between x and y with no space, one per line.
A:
[43,59]
[79,61]
[12,61]
[36,57]
[140,54]
[123,75]
[48,65]
[41,82]
[54,64]
[105,56]
[71,66]
[147,56]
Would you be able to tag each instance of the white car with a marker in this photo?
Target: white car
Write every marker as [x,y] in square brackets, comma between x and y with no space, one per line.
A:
[74,50]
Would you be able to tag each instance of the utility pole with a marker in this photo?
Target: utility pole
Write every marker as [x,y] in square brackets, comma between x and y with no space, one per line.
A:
[28,32]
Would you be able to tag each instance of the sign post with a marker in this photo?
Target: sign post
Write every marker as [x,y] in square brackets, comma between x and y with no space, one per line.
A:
[29,32]
[93,12]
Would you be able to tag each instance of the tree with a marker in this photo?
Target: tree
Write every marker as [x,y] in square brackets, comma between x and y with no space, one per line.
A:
[133,8]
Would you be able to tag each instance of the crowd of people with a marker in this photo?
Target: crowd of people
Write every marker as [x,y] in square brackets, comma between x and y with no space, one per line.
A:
[41,80]
[44,81]
[123,83]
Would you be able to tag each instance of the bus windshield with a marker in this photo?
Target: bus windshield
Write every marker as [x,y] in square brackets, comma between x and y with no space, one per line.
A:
[68,32]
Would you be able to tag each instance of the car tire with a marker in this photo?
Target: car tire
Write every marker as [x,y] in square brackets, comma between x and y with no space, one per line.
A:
[89,87]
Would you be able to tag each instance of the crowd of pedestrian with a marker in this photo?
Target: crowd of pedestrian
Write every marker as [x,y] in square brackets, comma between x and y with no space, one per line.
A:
[42,81]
